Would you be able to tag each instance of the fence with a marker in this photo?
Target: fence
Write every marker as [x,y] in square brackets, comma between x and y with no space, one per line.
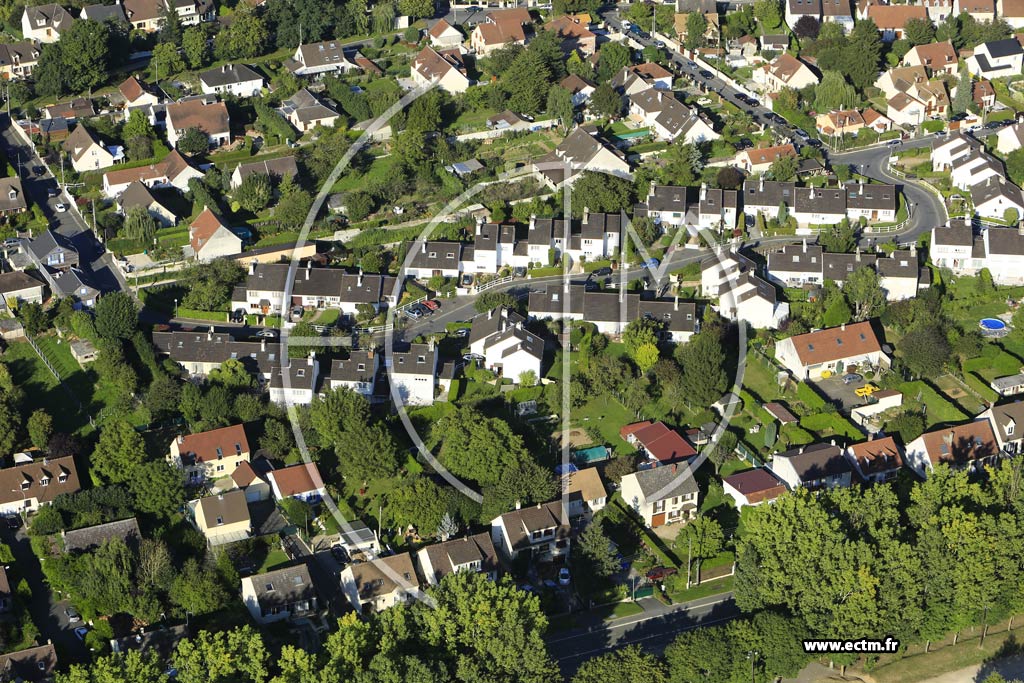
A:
[494,283]
[56,374]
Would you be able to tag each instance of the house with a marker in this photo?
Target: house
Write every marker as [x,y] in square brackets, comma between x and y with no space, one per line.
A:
[1012,12]
[540,532]
[742,294]
[356,537]
[983,94]
[246,479]
[45,23]
[798,9]
[72,110]
[1009,385]
[193,12]
[13,199]
[498,29]
[982,11]
[280,595]
[936,58]
[780,413]
[760,159]
[662,495]
[275,169]
[222,518]
[209,238]
[712,28]
[508,120]
[474,553]
[753,487]
[173,171]
[876,121]
[891,19]
[210,118]
[585,491]
[78,286]
[445,68]
[413,375]
[996,59]
[666,205]
[874,202]
[83,351]
[845,122]
[507,347]
[875,461]
[18,288]
[717,208]
[436,258]
[145,15]
[574,34]
[994,196]
[6,595]
[372,587]
[32,665]
[209,455]
[904,110]
[317,59]
[89,538]
[582,149]
[911,96]
[264,288]
[900,274]
[808,355]
[443,35]
[816,466]
[297,481]
[231,79]
[668,118]
[27,486]
[580,89]
[294,384]
[101,13]
[970,446]
[644,76]
[138,195]
[17,60]
[136,94]
[54,250]
[657,442]
[837,12]
[776,42]
[1010,138]
[605,310]
[305,111]
[785,71]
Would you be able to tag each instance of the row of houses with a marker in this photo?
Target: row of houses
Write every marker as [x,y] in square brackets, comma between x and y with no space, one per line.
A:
[46,23]
[900,273]
[973,169]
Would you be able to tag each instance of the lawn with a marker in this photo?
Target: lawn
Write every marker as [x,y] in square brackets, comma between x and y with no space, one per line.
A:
[620,610]
[606,415]
[275,558]
[937,408]
[41,388]
[704,590]
[380,170]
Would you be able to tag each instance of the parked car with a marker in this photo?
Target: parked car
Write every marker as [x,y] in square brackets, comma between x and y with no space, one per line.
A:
[73,616]
[467,279]
[992,125]
[626,24]
[705,74]
[462,332]
[12,242]
[470,357]
[660,573]
[61,207]
[604,271]
[413,312]
[81,632]
[659,43]
[39,170]
[651,263]
[894,143]
[939,133]
[267,333]
[432,304]
[851,378]
[563,576]
[691,64]
[238,315]
[52,192]
[424,310]
[340,554]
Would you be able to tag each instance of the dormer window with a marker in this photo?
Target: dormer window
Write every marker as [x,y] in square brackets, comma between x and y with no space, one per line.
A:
[220,521]
[25,485]
[220,453]
[62,478]
[1009,429]
[45,481]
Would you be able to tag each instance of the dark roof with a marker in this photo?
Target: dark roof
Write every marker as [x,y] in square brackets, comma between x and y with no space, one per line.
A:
[229,508]
[50,241]
[419,359]
[1003,48]
[756,485]
[519,524]
[870,196]
[76,283]
[34,664]
[229,74]
[1005,241]
[680,481]
[958,233]
[902,263]
[796,258]
[820,200]
[17,281]
[838,267]
[90,537]
[667,198]
[817,461]
[358,367]
[283,587]
[446,557]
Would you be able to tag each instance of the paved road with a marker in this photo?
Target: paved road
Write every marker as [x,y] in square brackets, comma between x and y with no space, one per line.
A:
[654,629]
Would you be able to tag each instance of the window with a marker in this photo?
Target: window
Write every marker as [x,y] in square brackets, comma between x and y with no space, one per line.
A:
[220,453]
[269,588]
[220,521]
[45,481]
[25,485]
[1009,429]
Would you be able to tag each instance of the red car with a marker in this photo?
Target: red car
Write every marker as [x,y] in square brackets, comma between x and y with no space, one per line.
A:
[660,573]
[432,304]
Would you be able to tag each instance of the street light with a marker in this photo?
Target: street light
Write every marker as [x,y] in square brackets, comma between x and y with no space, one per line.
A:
[175,307]
[752,656]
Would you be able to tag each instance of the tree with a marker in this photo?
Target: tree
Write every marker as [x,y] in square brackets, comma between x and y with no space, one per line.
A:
[118,453]
[682,163]
[480,448]
[783,169]
[342,419]
[419,503]
[209,285]
[410,149]
[729,178]
[925,350]
[425,113]
[612,57]
[628,665]
[33,317]
[131,666]
[595,561]
[196,590]
[157,488]
[769,13]
[704,654]
[862,54]
[560,106]
[139,148]
[908,425]
[704,379]
[725,447]
[193,141]
[139,225]
[834,92]
[80,60]
[116,316]
[166,60]
[238,656]
[839,238]
[807,27]
[702,539]
[837,312]
[137,125]
[293,206]
[254,193]
[416,9]
[640,332]
[601,192]
[606,102]
[197,49]
[863,290]
[447,528]
[696,27]
[162,397]
[1015,165]
[40,428]
[383,17]
[244,38]
[964,93]
[919,31]
[527,83]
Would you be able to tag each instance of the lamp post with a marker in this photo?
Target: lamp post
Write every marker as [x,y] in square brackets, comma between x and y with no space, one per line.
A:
[752,656]
[175,307]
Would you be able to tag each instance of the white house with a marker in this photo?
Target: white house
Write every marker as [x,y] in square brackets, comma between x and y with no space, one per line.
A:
[582,149]
[174,171]
[541,531]
[1003,419]
[587,495]
[358,372]
[282,594]
[413,374]
[27,486]
[508,349]
[88,153]
[878,460]
[231,79]
[997,59]
[210,238]
[816,466]
[753,487]
[669,118]
[209,455]
[474,553]
[210,118]
[785,71]
[445,68]
[666,494]
[317,59]
[1010,138]
[45,23]
[443,35]
[832,350]
[300,481]
[372,587]
[994,196]
[971,445]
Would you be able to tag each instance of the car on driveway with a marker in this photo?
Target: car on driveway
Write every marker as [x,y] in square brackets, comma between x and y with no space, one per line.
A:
[61,207]
[432,304]
[470,357]
[12,242]
[413,312]
[992,125]
[340,554]
[660,573]
[462,332]
[81,632]
[238,315]
[604,271]
[564,579]
[52,192]
[851,378]
[73,616]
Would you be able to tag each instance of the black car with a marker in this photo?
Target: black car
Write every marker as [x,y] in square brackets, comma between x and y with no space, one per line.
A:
[340,554]
[814,142]
[991,125]
[744,143]
[238,315]
[706,74]
[601,272]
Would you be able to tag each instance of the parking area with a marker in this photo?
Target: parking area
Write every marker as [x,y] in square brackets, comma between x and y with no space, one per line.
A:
[842,394]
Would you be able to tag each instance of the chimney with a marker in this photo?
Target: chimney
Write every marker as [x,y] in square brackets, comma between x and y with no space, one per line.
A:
[209,334]
[224,69]
[252,267]
[760,184]
[801,451]
[703,191]
[1020,227]
[490,314]
[676,305]
[586,214]
[913,249]
[312,358]
[359,281]
[423,248]
[263,343]
[518,504]
[675,466]
[369,354]
[857,256]
[181,439]
[309,267]
[805,245]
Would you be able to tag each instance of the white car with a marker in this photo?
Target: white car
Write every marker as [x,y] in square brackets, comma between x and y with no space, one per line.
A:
[61,208]
[626,25]
[563,576]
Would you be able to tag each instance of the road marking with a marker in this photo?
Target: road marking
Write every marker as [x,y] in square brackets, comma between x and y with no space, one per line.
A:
[641,618]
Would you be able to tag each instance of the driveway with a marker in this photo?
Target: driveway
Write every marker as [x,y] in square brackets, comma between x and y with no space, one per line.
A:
[843,395]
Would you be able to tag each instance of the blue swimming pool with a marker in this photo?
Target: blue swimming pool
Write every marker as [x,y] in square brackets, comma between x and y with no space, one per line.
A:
[992,324]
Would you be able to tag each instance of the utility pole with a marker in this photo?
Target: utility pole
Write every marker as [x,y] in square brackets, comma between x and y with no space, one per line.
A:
[689,556]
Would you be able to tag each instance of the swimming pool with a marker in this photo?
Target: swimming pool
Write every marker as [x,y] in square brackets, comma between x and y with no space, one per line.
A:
[992,324]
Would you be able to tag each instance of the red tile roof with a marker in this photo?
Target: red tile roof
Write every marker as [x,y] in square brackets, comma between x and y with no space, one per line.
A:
[297,479]
[203,227]
[756,485]
[204,445]
[663,444]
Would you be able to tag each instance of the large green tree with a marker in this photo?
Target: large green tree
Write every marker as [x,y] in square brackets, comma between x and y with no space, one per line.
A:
[118,453]
[863,290]
[628,665]
[363,445]
[116,316]
[704,379]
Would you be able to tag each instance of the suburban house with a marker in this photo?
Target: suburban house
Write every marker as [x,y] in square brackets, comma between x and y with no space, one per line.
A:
[276,169]
[209,455]
[876,121]
[587,494]
[507,347]
[1012,12]
[27,486]
[891,19]
[78,286]
[209,238]
[1010,138]
[760,159]
[498,29]
[222,518]
[372,587]
[657,442]
[996,59]
[994,196]
[300,481]
[662,495]
[580,89]
[210,118]
[753,487]
[413,374]
[32,665]
[138,195]
[88,153]
[816,466]
[19,287]
[254,485]
[983,11]
[845,122]
[798,9]
[541,532]
[668,118]
[838,12]
[1004,419]
[936,58]
[173,171]
[446,68]
[636,77]
[832,350]
[1009,385]
[574,34]
[231,79]
[45,23]
[317,59]
[305,111]
[13,199]
[875,461]
[785,71]
[983,94]
[17,60]
[582,149]
[742,294]
[971,445]
[89,538]
[294,383]
[474,553]
[358,372]
[54,250]
[74,109]
[282,594]
[264,288]
[136,94]
[443,35]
